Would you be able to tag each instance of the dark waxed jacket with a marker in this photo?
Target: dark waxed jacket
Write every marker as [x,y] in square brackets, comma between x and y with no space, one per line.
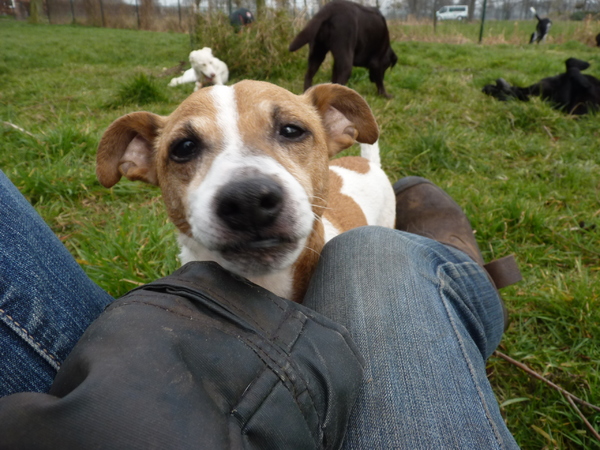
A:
[199,359]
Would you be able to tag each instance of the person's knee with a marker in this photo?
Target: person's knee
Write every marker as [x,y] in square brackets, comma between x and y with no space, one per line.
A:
[366,234]
[380,245]
[373,240]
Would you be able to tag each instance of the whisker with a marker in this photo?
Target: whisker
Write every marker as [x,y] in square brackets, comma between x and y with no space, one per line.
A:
[319,206]
[313,250]
[318,217]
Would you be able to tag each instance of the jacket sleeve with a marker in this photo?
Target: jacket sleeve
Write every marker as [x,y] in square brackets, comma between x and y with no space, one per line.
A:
[199,359]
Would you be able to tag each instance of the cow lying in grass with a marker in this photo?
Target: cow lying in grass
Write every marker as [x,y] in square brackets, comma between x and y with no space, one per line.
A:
[572,91]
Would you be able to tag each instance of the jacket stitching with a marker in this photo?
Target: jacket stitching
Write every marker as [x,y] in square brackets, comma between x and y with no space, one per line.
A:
[260,352]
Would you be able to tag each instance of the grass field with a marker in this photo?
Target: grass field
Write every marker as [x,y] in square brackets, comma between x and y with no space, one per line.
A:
[527,175]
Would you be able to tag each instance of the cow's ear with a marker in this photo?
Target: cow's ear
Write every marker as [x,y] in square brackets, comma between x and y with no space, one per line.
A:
[127,149]
[346,116]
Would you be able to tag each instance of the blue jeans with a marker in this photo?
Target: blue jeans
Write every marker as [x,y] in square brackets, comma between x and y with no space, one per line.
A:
[46,300]
[424,316]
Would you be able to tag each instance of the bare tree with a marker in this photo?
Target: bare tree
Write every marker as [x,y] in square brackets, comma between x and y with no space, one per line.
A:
[147,13]
[260,7]
[36,9]
[471,9]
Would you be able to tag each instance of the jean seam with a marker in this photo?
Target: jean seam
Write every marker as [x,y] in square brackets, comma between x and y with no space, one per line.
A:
[29,339]
[442,287]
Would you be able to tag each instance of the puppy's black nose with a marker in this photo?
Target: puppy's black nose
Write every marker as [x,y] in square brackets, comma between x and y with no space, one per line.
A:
[250,204]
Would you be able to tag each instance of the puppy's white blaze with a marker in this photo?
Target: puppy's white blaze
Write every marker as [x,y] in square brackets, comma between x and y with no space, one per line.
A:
[227,116]
[233,163]
[202,191]
[377,202]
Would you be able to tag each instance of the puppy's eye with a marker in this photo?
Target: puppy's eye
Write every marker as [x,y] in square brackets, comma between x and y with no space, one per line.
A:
[184,150]
[289,131]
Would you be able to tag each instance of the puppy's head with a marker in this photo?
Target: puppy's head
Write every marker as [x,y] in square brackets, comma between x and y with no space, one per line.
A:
[204,54]
[243,169]
[202,62]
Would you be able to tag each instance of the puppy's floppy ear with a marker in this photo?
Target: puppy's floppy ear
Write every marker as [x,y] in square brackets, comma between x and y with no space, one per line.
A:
[345,115]
[127,149]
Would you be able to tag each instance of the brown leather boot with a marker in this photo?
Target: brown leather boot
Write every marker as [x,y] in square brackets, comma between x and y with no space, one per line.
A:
[425,209]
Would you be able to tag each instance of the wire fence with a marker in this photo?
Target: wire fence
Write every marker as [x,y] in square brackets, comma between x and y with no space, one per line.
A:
[161,15]
[180,15]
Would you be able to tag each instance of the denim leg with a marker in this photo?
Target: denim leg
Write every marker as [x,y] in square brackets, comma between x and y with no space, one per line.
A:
[46,300]
[425,318]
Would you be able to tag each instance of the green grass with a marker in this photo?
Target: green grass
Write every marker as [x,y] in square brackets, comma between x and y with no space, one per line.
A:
[527,175]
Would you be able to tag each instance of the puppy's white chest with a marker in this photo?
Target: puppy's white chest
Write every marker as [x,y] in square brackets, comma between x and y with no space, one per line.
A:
[279,282]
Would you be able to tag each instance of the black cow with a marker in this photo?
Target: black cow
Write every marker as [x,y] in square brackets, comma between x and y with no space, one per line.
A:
[542,28]
[598,40]
[572,91]
[356,35]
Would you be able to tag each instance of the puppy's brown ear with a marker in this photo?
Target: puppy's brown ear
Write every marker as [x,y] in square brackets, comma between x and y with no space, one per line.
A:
[127,149]
[345,114]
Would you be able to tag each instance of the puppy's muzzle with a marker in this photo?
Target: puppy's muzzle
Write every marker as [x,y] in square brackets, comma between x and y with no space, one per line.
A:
[250,205]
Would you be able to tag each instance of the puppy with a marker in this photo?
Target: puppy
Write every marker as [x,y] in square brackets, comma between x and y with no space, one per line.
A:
[542,28]
[206,69]
[245,177]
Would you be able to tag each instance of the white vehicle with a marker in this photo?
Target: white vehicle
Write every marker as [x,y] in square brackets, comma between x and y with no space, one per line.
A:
[453,12]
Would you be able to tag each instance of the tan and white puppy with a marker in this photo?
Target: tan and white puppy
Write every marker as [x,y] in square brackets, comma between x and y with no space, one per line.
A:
[245,175]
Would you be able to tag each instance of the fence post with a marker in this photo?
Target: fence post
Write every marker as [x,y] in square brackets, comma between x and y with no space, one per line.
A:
[102,13]
[137,13]
[48,11]
[72,12]
[179,10]
[482,21]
